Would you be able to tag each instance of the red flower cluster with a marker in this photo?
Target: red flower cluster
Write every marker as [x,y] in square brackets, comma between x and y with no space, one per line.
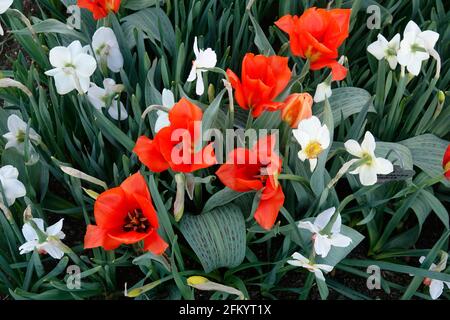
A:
[100,8]
[262,80]
[125,215]
[317,34]
[175,146]
[256,169]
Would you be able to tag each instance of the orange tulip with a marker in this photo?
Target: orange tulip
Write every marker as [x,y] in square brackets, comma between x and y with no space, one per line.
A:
[125,215]
[446,163]
[316,35]
[100,8]
[297,106]
[262,80]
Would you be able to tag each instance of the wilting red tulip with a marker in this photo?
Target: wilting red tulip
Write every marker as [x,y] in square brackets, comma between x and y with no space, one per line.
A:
[125,215]
[446,163]
[256,169]
[175,146]
[262,80]
[316,35]
[297,106]
[100,8]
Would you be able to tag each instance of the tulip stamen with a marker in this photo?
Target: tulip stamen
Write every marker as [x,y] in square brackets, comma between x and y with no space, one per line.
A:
[136,221]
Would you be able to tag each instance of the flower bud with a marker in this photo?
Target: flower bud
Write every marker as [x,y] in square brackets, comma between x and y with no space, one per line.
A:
[297,106]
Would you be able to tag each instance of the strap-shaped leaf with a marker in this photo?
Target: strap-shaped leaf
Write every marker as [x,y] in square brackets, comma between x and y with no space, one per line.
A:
[217,237]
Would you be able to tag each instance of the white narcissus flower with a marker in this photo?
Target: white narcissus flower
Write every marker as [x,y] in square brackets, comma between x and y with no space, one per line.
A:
[106,49]
[313,138]
[4,5]
[322,241]
[383,49]
[372,165]
[100,96]
[436,286]
[16,135]
[168,101]
[11,187]
[301,261]
[73,68]
[416,47]
[51,244]
[204,59]
[323,91]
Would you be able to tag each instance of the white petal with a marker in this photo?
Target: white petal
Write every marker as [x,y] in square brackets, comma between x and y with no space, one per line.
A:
[311,126]
[28,246]
[114,111]
[436,288]
[430,38]
[324,267]
[323,91]
[353,147]
[302,155]
[75,49]
[96,95]
[319,274]
[302,137]
[412,27]
[9,172]
[367,175]
[4,5]
[300,257]
[336,228]
[168,100]
[368,145]
[322,245]
[339,240]
[59,57]
[64,82]
[377,49]
[384,166]
[84,82]
[13,189]
[103,36]
[308,226]
[395,42]
[403,57]
[29,233]
[53,250]
[324,137]
[207,59]
[312,164]
[2,33]
[195,47]
[192,74]
[200,87]
[414,66]
[85,65]
[53,230]
[392,60]
[324,218]
[115,60]
[15,124]
[422,259]
[162,121]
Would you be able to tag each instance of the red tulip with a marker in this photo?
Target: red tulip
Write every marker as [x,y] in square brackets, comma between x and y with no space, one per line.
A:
[297,107]
[262,80]
[316,35]
[100,8]
[446,163]
[125,215]
[256,169]
[174,146]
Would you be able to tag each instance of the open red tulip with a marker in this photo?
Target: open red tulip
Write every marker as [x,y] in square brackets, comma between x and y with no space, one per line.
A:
[100,8]
[256,169]
[262,80]
[175,146]
[446,163]
[125,215]
[316,35]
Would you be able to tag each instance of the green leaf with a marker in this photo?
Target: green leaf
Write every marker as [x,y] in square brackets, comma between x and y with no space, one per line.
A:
[147,21]
[54,26]
[345,102]
[139,4]
[217,237]
[221,198]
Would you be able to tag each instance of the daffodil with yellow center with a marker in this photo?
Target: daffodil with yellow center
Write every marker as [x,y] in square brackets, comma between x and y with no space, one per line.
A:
[313,138]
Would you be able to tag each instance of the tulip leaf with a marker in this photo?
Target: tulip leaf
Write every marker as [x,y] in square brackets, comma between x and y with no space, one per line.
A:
[150,21]
[139,4]
[217,237]
[345,102]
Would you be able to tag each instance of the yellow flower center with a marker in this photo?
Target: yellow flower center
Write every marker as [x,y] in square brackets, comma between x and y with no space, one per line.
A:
[312,56]
[313,149]
[368,159]
[447,167]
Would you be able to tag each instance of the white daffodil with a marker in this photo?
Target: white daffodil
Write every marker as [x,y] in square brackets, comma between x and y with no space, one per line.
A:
[168,101]
[416,47]
[99,97]
[313,138]
[324,241]
[73,68]
[383,49]
[301,261]
[106,49]
[436,286]
[11,187]
[371,165]
[4,5]
[323,91]
[45,241]
[16,136]
[204,59]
